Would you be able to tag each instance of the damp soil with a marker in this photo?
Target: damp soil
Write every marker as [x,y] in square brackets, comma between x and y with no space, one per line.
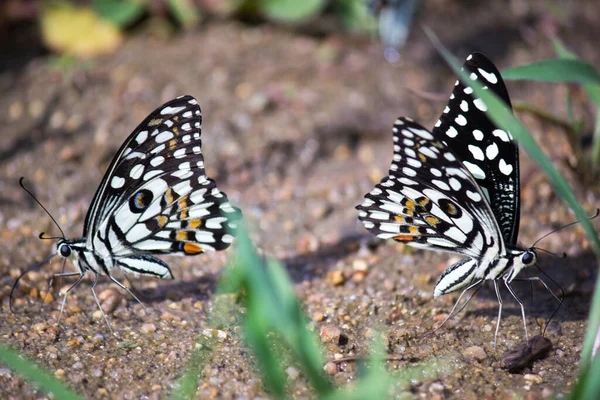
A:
[296,129]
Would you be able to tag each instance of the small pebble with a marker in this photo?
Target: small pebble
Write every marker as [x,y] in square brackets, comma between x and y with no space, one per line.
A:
[59,373]
[436,388]
[148,328]
[318,316]
[336,277]
[532,378]
[475,352]
[88,346]
[98,338]
[110,300]
[553,328]
[330,333]
[331,368]
[77,365]
[292,373]
[389,285]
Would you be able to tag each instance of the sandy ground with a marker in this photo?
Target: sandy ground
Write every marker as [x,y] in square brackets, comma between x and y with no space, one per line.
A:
[296,130]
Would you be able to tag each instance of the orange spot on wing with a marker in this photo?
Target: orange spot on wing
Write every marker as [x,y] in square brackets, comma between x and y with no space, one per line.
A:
[192,248]
[169,196]
[432,220]
[422,157]
[162,220]
[184,214]
[403,238]
[413,230]
[172,144]
[399,218]
[182,203]
[193,223]
[181,235]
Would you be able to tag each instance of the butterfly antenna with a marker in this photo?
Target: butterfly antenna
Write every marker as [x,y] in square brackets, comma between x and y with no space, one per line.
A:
[31,268]
[43,208]
[566,226]
[563,255]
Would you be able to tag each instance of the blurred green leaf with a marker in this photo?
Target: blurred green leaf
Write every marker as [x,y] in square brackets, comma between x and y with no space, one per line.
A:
[356,15]
[185,12]
[273,309]
[120,12]
[290,10]
[34,374]
[561,50]
[588,385]
[558,70]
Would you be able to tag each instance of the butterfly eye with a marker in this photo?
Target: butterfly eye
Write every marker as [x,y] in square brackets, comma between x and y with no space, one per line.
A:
[528,257]
[64,250]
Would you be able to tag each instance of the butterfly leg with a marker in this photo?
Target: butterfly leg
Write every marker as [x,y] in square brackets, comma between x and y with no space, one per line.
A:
[452,313]
[559,299]
[127,290]
[497,289]
[98,301]
[77,282]
[512,292]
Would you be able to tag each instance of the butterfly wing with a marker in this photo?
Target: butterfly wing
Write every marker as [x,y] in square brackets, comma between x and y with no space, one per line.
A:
[430,199]
[489,153]
[155,196]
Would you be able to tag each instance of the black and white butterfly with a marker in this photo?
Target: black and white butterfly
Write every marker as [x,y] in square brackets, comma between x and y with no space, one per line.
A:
[456,189]
[155,198]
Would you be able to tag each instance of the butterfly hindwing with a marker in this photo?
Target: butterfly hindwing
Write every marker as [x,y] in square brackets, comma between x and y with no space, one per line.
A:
[429,199]
[489,153]
[155,196]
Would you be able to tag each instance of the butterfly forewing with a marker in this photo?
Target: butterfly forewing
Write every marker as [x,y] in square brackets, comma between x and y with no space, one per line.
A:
[155,196]
[489,153]
[429,198]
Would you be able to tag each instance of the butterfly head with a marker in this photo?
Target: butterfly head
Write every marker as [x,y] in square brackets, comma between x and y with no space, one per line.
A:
[521,259]
[68,248]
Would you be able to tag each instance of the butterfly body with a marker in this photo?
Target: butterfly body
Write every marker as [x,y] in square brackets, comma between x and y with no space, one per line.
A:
[456,189]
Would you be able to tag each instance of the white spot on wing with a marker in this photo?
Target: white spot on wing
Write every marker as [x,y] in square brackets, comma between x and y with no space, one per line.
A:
[136,171]
[474,170]
[170,110]
[141,137]
[480,104]
[452,132]
[492,151]
[505,168]
[489,76]
[164,136]
[461,120]
[476,152]
[117,182]
[499,133]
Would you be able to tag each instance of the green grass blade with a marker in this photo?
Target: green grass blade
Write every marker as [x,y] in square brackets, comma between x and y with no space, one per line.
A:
[557,70]
[273,309]
[505,119]
[35,375]
[291,11]
[588,386]
[119,12]
[593,92]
